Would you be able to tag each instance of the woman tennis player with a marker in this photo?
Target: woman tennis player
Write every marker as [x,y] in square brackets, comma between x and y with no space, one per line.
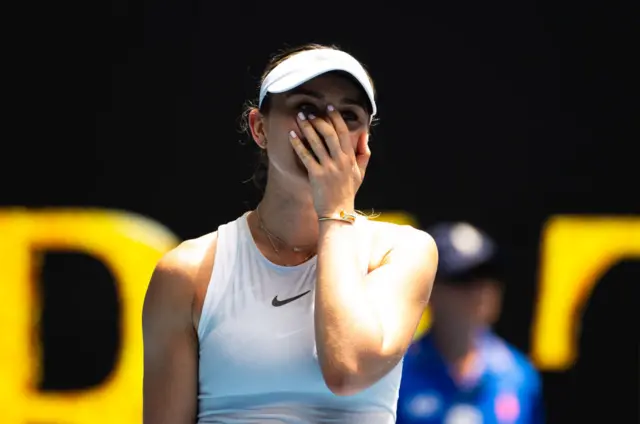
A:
[299,311]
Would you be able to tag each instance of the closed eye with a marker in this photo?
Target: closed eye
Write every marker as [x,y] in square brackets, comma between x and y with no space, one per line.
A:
[349,116]
[308,108]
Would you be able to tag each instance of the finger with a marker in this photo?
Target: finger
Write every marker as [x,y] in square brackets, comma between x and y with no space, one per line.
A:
[328,133]
[303,153]
[312,137]
[341,129]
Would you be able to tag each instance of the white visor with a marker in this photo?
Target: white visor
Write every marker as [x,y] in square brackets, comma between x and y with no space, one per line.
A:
[309,64]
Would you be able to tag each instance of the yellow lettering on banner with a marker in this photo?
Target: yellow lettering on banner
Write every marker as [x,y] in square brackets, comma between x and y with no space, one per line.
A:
[130,246]
[576,253]
[405,218]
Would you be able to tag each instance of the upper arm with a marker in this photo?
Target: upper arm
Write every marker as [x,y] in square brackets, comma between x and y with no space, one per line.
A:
[401,286]
[170,345]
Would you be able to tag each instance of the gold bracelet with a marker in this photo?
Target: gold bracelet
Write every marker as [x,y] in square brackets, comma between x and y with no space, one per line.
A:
[342,216]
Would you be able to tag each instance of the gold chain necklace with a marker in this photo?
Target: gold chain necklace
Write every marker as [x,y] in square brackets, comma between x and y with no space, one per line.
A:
[271,237]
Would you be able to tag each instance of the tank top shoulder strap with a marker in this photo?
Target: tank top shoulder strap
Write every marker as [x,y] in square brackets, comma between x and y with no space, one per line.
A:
[229,238]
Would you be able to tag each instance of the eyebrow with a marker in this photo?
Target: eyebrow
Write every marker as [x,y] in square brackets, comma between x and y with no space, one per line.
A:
[319,96]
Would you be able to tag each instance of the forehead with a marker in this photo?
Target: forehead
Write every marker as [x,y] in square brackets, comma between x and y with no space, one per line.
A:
[333,87]
[334,83]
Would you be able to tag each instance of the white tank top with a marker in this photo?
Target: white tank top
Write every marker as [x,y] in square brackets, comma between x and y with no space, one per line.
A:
[258,362]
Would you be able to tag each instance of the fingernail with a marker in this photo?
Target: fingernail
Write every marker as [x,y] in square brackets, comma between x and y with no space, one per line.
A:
[293,134]
[301,116]
[330,108]
[312,116]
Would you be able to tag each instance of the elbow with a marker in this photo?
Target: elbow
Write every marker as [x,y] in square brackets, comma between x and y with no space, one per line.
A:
[349,374]
[351,378]
[342,380]
[341,384]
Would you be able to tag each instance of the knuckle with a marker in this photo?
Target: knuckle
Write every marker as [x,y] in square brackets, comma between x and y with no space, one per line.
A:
[329,169]
[316,145]
[344,159]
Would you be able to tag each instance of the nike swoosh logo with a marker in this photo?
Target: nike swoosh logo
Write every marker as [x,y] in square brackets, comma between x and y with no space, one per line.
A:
[276,302]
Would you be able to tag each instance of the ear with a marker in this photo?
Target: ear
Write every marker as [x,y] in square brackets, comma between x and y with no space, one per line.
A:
[257,127]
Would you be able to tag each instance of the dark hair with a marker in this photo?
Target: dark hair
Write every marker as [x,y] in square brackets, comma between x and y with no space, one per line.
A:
[259,177]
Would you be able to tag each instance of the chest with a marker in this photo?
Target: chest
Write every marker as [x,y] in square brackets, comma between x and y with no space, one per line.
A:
[263,341]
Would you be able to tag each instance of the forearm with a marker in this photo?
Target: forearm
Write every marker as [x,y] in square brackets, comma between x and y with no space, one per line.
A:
[348,331]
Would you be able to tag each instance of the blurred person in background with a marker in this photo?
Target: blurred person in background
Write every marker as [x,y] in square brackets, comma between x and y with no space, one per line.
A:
[301,310]
[461,372]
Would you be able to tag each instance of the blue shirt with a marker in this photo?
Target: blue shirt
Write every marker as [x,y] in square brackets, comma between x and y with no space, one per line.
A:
[505,389]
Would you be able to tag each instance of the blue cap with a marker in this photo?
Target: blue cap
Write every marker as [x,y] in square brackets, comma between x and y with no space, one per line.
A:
[462,249]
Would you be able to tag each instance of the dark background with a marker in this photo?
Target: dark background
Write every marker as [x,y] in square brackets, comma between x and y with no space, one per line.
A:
[502,115]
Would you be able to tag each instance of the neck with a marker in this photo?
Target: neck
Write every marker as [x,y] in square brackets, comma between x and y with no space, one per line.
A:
[290,217]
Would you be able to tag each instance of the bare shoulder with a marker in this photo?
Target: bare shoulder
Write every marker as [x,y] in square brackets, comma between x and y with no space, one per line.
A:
[389,236]
[176,280]
[185,261]
[409,257]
